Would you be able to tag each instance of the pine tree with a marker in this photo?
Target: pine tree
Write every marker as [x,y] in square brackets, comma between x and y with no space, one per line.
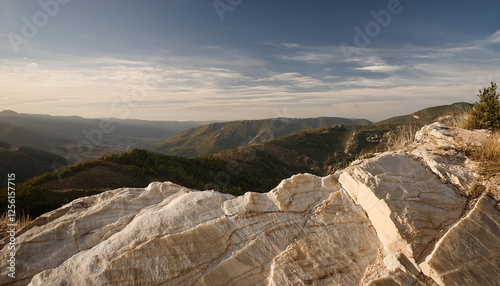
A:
[486,111]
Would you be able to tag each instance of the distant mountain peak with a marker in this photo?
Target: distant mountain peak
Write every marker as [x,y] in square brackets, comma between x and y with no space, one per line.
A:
[8,112]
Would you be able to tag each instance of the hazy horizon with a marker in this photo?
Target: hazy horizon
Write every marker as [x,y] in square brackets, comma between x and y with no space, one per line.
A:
[220,120]
[233,60]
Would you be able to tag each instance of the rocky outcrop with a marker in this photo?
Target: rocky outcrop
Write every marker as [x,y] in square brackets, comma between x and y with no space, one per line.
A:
[469,252]
[400,198]
[395,219]
[441,149]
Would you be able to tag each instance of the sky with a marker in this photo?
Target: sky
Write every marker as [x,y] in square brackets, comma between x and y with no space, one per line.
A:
[244,59]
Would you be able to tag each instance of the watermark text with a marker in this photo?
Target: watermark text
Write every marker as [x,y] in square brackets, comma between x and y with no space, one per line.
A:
[11,232]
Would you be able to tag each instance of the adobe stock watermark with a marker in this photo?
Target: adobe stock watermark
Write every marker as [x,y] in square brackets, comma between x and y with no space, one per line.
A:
[12,225]
[223,6]
[31,27]
[363,37]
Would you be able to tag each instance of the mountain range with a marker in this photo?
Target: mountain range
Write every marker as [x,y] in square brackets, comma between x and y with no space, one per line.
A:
[78,139]
[216,137]
[257,165]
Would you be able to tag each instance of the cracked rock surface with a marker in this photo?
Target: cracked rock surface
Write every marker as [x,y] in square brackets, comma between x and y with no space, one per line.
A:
[394,219]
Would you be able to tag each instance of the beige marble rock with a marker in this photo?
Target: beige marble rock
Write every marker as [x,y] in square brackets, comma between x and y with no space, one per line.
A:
[450,165]
[408,205]
[377,274]
[78,226]
[442,150]
[437,136]
[207,238]
[469,252]
[334,248]
[439,148]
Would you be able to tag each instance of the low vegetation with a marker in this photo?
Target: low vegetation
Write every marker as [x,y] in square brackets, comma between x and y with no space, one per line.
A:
[485,114]
[20,222]
[459,117]
[488,155]
[401,136]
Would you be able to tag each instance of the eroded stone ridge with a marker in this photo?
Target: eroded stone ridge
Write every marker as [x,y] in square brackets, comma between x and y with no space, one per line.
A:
[395,219]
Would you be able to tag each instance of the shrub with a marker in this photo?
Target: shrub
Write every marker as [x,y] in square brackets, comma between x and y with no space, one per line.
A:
[486,112]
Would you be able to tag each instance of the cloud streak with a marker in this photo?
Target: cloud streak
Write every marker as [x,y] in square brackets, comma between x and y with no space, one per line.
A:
[229,84]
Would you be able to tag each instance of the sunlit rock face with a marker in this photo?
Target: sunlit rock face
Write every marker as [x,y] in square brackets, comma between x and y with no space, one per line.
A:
[407,204]
[469,252]
[388,220]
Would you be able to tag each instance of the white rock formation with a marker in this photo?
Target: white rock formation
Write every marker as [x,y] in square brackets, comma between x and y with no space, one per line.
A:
[394,219]
[400,198]
[469,252]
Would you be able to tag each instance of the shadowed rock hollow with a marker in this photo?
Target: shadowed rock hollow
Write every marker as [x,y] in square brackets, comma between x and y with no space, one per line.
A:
[395,219]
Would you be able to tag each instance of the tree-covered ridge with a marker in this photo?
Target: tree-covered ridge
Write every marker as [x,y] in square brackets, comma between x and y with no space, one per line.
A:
[27,162]
[216,137]
[136,168]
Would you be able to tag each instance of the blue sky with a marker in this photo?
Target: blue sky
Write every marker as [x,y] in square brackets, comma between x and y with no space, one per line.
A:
[186,60]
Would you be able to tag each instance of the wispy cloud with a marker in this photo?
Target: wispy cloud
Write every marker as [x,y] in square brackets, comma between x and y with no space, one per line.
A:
[495,38]
[291,45]
[310,57]
[229,84]
[380,68]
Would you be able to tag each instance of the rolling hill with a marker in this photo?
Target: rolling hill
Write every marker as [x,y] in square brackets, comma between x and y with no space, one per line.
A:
[312,150]
[443,113]
[78,139]
[216,137]
[27,162]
